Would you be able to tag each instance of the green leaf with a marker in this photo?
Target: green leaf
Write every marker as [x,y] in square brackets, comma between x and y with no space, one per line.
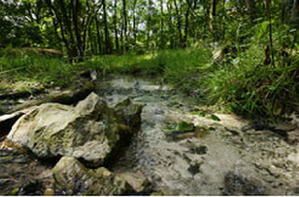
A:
[214,117]
[185,126]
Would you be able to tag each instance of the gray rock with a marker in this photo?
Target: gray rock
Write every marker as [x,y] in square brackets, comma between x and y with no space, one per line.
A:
[90,131]
[72,178]
[293,137]
[137,180]
[235,184]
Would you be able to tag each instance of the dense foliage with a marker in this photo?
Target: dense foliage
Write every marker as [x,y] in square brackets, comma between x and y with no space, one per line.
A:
[240,53]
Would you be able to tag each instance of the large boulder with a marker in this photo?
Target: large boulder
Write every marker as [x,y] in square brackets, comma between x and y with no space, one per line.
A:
[73,178]
[90,131]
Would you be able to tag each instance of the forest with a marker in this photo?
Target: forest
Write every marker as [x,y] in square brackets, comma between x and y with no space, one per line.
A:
[149,97]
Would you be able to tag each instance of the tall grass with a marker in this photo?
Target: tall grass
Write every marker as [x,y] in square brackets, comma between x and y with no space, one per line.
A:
[244,85]
[253,89]
[17,64]
[181,67]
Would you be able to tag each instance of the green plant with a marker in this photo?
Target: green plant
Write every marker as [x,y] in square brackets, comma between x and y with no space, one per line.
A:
[253,89]
[18,64]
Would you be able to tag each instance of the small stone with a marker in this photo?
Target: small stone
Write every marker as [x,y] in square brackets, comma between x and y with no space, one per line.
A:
[136,180]
[49,192]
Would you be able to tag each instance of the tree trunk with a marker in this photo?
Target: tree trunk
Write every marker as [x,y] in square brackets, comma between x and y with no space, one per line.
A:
[125,26]
[270,45]
[106,29]
[179,23]
[295,12]
[186,24]
[115,26]
[170,26]
[79,44]
[149,23]
[213,20]
[251,7]
[99,40]
[134,23]
[162,39]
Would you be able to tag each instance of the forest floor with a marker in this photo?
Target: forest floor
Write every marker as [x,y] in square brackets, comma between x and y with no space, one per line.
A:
[182,148]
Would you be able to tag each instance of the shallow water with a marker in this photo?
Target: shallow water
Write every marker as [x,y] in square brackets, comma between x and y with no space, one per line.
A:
[221,160]
[260,161]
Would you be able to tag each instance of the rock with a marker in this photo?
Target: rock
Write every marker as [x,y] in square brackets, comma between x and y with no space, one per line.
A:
[202,131]
[235,184]
[89,74]
[90,131]
[137,181]
[72,178]
[49,192]
[127,112]
[68,97]
[293,137]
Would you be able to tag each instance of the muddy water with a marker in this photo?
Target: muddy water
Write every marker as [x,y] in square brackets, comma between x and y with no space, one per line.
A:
[223,161]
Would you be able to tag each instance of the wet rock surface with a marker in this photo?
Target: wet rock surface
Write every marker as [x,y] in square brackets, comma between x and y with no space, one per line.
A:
[212,157]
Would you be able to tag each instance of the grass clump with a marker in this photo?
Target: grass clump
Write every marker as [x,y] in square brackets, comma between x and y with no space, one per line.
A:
[124,64]
[253,89]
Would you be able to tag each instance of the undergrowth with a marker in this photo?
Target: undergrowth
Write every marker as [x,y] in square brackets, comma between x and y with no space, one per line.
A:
[180,67]
[252,89]
[244,85]
[22,65]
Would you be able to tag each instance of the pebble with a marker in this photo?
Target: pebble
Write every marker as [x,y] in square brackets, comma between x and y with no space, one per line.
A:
[49,192]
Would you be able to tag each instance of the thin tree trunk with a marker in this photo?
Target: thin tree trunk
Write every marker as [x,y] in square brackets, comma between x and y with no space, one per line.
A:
[115,26]
[106,29]
[186,24]
[179,23]
[268,12]
[149,23]
[99,40]
[125,26]
[250,4]
[134,22]
[161,43]
[170,25]
[79,44]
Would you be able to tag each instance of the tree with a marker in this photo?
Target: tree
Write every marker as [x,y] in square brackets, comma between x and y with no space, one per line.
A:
[72,19]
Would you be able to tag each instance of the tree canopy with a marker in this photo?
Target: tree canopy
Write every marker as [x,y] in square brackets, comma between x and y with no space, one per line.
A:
[92,27]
